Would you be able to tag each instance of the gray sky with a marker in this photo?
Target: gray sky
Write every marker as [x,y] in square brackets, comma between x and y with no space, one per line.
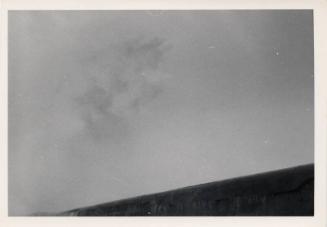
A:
[107,105]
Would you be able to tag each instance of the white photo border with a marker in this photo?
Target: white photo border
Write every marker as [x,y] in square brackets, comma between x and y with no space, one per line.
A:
[319,8]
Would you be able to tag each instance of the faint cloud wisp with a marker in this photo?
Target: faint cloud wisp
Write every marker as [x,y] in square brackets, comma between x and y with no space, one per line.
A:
[128,80]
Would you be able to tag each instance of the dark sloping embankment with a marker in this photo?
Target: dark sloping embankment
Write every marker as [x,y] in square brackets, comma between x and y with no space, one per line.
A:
[287,192]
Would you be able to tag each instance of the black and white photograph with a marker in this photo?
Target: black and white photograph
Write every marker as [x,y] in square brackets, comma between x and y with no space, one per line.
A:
[161,113]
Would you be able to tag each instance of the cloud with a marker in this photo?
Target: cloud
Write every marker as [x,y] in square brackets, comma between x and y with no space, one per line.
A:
[122,82]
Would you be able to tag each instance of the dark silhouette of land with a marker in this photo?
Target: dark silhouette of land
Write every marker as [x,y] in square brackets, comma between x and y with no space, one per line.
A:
[287,192]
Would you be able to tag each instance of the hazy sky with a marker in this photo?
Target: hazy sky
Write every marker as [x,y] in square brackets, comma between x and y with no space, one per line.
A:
[106,105]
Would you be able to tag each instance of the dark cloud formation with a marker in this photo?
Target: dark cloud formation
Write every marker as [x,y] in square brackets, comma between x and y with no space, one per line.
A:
[129,79]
